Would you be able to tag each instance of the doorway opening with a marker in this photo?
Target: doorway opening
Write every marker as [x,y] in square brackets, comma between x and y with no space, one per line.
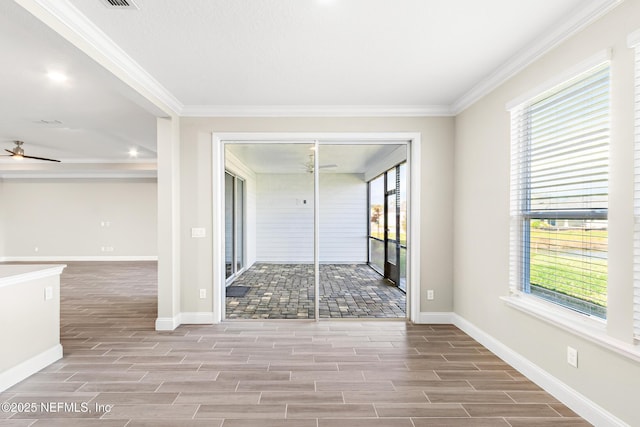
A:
[300,231]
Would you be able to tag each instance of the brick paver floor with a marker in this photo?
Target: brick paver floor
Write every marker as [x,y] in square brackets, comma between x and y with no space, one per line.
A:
[285,291]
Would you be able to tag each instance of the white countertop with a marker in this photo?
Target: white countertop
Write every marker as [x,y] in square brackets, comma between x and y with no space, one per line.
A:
[11,274]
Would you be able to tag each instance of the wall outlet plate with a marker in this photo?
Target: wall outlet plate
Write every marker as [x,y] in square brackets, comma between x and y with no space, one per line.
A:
[572,356]
[198,232]
[203,293]
[430,294]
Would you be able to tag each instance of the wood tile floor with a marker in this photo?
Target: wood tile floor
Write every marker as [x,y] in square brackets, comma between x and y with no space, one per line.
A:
[117,371]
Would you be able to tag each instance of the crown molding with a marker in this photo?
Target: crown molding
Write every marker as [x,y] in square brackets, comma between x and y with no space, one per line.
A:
[78,166]
[64,18]
[52,177]
[72,24]
[315,111]
[576,21]
[102,170]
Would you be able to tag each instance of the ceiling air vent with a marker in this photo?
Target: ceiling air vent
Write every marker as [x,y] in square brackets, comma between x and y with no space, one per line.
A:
[120,4]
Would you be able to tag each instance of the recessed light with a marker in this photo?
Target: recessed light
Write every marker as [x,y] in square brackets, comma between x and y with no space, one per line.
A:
[133,152]
[57,76]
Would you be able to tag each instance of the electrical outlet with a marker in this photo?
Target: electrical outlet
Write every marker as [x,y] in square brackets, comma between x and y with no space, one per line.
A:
[203,293]
[48,293]
[572,356]
[197,232]
[430,294]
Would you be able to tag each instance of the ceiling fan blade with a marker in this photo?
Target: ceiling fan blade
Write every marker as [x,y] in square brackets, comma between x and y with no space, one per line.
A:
[41,158]
[9,151]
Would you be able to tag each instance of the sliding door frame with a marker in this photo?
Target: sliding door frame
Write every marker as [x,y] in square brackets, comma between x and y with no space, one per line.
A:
[238,223]
[411,139]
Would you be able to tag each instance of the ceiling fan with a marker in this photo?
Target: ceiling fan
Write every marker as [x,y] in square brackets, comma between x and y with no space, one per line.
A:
[18,153]
[310,163]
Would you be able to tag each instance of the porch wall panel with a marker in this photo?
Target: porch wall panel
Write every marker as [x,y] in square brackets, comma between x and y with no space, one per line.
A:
[285,218]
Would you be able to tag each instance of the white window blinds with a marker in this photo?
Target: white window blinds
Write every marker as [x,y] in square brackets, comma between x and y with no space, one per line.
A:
[559,193]
[634,42]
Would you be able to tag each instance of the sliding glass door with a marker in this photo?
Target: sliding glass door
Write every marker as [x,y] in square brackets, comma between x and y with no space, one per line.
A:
[296,229]
[402,226]
[233,224]
[273,249]
[377,224]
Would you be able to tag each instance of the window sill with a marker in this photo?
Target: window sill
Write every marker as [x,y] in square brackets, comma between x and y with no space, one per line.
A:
[586,327]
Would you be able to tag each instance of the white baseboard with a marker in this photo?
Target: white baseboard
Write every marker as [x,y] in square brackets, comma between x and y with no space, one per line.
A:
[197,318]
[78,258]
[436,317]
[29,367]
[188,318]
[167,323]
[580,404]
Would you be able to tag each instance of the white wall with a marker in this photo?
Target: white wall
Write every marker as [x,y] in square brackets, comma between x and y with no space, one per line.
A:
[343,218]
[285,221]
[481,244]
[63,218]
[29,323]
[284,207]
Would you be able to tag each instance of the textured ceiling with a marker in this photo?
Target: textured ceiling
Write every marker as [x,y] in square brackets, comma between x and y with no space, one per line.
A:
[310,52]
[296,158]
[227,55]
[99,117]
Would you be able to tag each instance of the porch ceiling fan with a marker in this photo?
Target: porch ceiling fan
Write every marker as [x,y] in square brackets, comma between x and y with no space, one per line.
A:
[309,165]
[18,153]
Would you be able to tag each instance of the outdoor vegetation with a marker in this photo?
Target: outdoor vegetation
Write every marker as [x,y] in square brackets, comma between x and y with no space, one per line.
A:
[570,259]
[377,224]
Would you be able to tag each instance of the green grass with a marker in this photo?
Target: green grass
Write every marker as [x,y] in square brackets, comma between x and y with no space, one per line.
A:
[572,238]
[377,258]
[571,278]
[380,235]
[554,268]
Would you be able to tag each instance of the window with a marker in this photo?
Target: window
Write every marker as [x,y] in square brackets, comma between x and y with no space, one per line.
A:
[634,42]
[559,193]
[388,224]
